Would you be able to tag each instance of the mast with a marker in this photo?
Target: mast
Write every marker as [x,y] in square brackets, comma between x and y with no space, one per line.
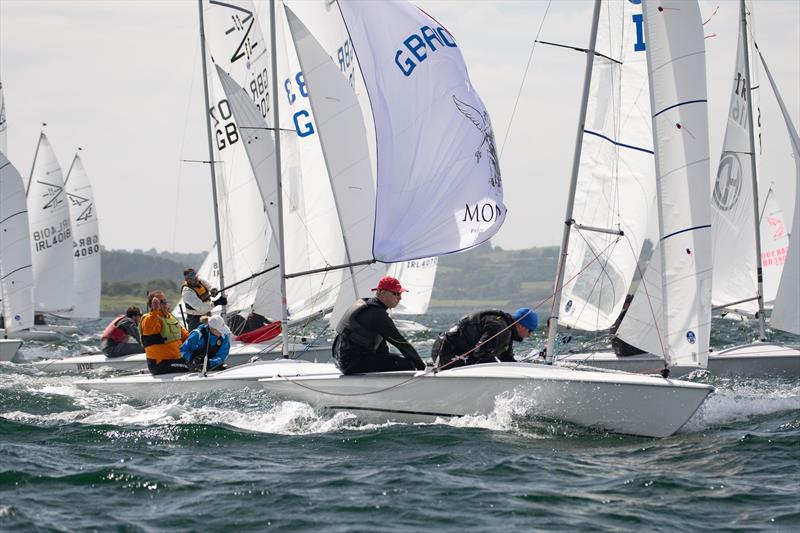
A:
[210,147]
[756,214]
[552,330]
[276,126]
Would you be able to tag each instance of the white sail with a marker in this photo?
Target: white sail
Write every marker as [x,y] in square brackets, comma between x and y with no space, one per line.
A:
[786,310]
[16,273]
[418,276]
[615,188]
[774,244]
[85,242]
[439,187]
[51,233]
[732,198]
[3,122]
[682,260]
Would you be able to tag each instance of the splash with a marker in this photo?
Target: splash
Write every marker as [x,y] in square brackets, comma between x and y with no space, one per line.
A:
[739,402]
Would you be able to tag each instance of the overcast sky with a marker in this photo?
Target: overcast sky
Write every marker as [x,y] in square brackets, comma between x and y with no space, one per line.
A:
[121,79]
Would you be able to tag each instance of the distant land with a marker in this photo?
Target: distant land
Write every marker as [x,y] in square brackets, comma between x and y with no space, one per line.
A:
[485,276]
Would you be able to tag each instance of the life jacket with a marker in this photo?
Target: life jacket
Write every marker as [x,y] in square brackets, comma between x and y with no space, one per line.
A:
[201,292]
[352,335]
[113,332]
[170,331]
[468,331]
[213,348]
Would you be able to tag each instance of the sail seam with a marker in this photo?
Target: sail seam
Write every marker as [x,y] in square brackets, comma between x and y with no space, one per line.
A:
[12,216]
[680,104]
[684,231]
[617,143]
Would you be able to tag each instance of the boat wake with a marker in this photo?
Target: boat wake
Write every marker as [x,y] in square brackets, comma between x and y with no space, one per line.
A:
[739,402]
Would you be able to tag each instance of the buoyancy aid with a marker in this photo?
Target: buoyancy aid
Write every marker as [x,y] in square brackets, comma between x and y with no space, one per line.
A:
[113,332]
[170,331]
[213,347]
[464,335]
[200,290]
[354,336]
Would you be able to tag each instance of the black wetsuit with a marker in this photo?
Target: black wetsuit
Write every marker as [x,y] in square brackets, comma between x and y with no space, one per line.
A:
[489,329]
[361,343]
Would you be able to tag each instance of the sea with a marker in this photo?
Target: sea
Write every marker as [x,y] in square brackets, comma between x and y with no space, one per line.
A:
[72,460]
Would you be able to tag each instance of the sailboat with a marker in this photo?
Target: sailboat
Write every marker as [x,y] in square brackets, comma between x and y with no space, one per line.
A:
[16,278]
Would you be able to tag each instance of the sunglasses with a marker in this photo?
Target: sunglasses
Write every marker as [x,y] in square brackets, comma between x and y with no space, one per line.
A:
[398,294]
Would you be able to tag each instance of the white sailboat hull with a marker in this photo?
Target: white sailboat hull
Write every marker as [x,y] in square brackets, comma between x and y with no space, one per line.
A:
[8,348]
[620,403]
[33,334]
[757,360]
[239,354]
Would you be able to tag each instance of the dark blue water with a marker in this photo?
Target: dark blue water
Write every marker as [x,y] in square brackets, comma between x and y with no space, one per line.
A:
[74,460]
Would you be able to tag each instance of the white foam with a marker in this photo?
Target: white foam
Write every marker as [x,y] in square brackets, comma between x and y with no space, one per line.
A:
[741,402]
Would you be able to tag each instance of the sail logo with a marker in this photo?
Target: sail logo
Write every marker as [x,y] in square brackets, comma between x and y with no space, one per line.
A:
[485,212]
[417,45]
[638,22]
[241,22]
[53,192]
[78,201]
[484,125]
[691,337]
[778,232]
[729,181]
[568,307]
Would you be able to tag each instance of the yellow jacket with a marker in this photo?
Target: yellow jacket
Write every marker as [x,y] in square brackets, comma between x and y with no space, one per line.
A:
[162,336]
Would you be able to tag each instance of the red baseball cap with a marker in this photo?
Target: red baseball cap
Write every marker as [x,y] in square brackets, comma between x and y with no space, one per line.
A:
[388,283]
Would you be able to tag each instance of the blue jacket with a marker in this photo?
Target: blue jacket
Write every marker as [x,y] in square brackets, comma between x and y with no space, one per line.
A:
[196,345]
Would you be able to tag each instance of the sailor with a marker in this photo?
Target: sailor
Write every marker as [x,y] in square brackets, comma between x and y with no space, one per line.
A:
[207,346]
[121,336]
[162,336]
[483,337]
[362,333]
[197,296]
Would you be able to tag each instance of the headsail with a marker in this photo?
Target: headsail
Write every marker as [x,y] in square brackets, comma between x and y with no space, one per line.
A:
[417,276]
[16,273]
[671,312]
[615,188]
[51,233]
[774,244]
[439,187]
[786,311]
[85,242]
[3,122]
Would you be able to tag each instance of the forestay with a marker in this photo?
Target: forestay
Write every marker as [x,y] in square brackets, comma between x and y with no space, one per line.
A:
[671,312]
[439,187]
[85,242]
[786,311]
[16,274]
[51,233]
[615,188]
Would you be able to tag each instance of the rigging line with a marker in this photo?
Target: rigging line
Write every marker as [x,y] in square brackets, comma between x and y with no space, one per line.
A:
[603,269]
[524,76]
[643,282]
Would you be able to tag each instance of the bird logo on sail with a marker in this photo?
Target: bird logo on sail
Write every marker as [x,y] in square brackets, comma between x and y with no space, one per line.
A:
[729,181]
[484,125]
[53,192]
[76,200]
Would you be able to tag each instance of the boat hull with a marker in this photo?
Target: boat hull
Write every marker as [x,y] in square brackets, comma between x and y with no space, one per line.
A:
[8,348]
[239,354]
[44,335]
[757,360]
[619,403]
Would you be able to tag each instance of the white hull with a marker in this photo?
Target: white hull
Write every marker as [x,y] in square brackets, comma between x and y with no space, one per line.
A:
[34,335]
[145,387]
[758,360]
[239,354]
[8,348]
[620,403]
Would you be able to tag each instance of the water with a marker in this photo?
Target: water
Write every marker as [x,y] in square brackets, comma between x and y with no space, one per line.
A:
[75,460]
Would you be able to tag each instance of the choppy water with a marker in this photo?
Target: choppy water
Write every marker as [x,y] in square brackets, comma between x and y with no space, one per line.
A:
[75,460]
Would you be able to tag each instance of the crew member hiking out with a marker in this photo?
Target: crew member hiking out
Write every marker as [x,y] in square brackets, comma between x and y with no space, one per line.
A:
[121,336]
[197,296]
[361,346]
[484,336]
[210,343]
[162,336]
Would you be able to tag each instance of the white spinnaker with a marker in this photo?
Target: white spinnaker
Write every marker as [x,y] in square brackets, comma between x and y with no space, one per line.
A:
[774,245]
[16,272]
[235,41]
[3,122]
[51,233]
[786,310]
[439,188]
[676,68]
[615,188]
[732,197]
[85,242]
[340,127]
[417,276]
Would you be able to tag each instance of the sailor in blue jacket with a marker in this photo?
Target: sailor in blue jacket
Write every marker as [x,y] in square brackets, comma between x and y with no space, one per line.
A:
[213,339]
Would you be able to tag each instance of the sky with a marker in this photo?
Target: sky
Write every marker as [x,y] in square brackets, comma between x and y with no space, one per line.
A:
[121,80]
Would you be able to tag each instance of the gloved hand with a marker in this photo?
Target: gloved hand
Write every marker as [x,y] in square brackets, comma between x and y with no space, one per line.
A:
[214,292]
[221,300]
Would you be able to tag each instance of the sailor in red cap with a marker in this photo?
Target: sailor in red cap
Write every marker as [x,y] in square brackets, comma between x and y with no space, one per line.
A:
[364,330]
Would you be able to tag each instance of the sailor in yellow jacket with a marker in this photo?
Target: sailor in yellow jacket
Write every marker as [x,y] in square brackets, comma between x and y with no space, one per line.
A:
[162,336]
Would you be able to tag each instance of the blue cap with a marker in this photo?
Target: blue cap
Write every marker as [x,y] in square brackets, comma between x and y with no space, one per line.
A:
[526,318]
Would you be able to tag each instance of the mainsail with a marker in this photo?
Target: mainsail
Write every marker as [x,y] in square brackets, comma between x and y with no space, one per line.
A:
[85,242]
[671,311]
[615,188]
[51,233]
[16,274]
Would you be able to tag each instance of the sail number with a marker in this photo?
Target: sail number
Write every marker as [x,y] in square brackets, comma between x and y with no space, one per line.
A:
[86,246]
[301,118]
[48,237]
[225,130]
